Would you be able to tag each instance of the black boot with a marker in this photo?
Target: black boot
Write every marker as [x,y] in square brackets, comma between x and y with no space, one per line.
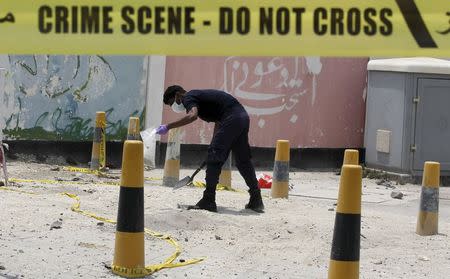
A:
[208,202]
[255,203]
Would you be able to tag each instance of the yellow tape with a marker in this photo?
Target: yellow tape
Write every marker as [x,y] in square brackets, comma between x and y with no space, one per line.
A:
[82,170]
[4,188]
[227,27]
[96,172]
[219,187]
[53,182]
[168,263]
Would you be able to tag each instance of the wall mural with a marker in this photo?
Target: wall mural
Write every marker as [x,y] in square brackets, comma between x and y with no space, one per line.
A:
[56,97]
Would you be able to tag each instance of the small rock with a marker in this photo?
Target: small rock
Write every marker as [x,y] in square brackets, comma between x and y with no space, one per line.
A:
[21,251]
[218,237]
[182,260]
[100,224]
[2,267]
[76,179]
[59,179]
[2,183]
[330,209]
[56,225]
[186,239]
[423,258]
[289,232]
[55,168]
[378,262]
[396,195]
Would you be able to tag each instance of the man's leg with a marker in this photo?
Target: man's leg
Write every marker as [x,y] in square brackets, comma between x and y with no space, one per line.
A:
[218,152]
[242,155]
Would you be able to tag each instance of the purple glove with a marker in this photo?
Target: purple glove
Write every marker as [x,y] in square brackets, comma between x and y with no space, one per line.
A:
[162,130]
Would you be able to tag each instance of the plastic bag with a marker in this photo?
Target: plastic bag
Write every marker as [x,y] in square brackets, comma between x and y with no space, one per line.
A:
[264,181]
[149,139]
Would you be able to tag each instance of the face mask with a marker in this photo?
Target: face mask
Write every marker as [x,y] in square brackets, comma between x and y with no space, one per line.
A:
[178,108]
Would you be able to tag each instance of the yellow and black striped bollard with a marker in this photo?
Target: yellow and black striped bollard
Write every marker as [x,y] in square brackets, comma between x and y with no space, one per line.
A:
[225,174]
[428,218]
[98,156]
[133,129]
[129,255]
[344,260]
[172,163]
[351,157]
[280,179]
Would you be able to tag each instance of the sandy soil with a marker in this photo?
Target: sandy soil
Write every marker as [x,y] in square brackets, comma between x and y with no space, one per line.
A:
[291,240]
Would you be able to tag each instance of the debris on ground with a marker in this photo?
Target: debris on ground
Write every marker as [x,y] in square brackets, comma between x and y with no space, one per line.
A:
[385,182]
[56,225]
[396,195]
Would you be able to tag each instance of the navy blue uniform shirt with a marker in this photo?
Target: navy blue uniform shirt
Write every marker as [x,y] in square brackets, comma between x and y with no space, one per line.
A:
[212,105]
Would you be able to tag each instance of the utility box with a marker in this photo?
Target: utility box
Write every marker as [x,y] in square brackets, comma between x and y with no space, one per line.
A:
[408,114]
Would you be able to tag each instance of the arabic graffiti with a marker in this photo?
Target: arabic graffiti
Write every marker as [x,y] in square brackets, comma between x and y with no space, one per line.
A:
[269,86]
[445,32]
[8,18]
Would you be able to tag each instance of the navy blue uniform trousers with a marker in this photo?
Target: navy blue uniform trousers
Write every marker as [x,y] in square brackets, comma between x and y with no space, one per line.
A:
[232,135]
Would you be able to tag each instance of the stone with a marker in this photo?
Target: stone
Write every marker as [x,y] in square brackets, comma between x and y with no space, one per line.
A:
[396,195]
[56,225]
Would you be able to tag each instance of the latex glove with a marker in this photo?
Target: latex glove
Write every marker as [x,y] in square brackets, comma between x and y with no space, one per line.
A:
[162,130]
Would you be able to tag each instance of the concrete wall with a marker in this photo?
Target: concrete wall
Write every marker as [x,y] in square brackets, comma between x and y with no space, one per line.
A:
[313,102]
[49,97]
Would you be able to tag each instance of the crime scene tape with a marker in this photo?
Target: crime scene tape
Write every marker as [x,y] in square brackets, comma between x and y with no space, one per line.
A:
[53,182]
[8,188]
[227,27]
[82,170]
[99,173]
[219,187]
[150,269]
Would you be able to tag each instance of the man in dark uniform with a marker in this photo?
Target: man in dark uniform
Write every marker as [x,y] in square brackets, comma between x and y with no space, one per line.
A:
[230,134]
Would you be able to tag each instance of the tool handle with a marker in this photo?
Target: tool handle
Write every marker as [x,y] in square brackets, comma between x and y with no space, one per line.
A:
[197,170]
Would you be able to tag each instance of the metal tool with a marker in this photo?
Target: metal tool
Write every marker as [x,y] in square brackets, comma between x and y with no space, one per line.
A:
[188,179]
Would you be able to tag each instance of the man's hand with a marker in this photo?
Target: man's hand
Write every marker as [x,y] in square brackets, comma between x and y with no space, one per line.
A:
[162,130]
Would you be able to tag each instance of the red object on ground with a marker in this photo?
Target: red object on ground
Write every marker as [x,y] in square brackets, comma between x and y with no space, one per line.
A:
[265,181]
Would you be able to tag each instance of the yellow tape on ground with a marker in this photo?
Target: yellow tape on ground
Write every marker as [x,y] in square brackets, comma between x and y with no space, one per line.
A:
[168,263]
[53,182]
[96,172]
[4,188]
[82,170]
[227,27]
[219,187]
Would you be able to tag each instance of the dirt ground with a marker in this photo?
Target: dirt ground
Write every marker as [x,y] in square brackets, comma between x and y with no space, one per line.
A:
[41,237]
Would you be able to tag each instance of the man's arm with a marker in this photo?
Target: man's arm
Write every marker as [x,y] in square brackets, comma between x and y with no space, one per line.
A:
[190,117]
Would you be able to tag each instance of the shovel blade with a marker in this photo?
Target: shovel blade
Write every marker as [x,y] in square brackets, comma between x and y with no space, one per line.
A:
[183,182]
